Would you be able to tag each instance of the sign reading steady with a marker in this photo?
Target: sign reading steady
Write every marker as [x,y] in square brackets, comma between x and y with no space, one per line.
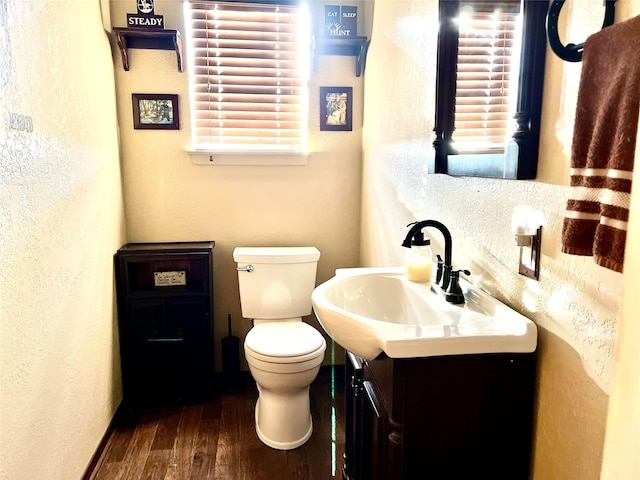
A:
[145,18]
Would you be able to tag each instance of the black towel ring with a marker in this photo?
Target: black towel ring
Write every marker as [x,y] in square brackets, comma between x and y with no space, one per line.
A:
[572,52]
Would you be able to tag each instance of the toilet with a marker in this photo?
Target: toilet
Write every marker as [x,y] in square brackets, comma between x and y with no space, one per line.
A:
[284,353]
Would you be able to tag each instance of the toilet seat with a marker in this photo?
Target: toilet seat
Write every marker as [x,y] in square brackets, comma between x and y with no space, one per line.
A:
[284,342]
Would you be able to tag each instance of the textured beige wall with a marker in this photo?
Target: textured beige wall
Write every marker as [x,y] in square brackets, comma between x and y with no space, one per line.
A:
[621,458]
[61,221]
[575,304]
[170,199]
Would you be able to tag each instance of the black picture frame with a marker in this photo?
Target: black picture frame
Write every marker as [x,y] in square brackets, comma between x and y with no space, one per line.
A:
[336,106]
[155,111]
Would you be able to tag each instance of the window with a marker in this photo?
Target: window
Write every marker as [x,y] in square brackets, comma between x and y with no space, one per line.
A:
[247,74]
[486,79]
[490,73]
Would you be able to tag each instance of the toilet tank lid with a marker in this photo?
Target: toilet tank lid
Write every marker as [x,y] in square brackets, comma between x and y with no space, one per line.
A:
[276,254]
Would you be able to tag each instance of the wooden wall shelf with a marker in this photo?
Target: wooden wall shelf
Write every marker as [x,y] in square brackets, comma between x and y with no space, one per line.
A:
[353,46]
[152,39]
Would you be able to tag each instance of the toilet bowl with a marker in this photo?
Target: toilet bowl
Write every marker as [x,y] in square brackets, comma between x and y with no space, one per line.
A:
[284,354]
[282,415]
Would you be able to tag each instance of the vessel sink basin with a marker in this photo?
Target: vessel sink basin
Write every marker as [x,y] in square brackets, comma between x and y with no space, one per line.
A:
[373,310]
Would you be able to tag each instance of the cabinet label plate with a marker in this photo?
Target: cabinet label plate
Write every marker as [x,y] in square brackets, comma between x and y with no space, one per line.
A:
[169,279]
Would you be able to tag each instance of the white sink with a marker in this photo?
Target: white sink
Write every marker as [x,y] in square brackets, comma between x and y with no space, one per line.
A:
[373,310]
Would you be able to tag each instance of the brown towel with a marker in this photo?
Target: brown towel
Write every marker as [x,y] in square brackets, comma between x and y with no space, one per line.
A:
[603,148]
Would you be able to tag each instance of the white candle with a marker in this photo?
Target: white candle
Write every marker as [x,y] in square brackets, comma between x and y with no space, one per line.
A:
[419,272]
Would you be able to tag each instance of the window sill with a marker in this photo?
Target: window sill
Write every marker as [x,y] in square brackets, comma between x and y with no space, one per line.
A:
[249,158]
[494,165]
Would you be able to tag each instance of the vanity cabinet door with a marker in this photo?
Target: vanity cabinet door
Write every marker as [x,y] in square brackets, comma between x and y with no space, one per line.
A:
[375,447]
[367,430]
[353,389]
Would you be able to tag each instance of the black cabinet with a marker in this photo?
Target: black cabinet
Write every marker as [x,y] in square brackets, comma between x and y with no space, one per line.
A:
[165,309]
[441,418]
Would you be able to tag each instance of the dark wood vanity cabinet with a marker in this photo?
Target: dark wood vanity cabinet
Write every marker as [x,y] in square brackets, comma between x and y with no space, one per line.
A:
[454,417]
[165,310]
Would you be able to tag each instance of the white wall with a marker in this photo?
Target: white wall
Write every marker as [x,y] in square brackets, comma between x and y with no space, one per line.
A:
[168,198]
[61,221]
[575,304]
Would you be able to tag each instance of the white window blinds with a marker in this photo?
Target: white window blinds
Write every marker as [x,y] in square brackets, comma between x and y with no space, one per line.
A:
[487,82]
[248,73]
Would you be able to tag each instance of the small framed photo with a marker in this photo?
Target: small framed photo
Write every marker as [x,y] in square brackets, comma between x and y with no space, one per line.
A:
[153,111]
[335,108]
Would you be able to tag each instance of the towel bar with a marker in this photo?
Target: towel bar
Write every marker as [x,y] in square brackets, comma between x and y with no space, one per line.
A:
[572,52]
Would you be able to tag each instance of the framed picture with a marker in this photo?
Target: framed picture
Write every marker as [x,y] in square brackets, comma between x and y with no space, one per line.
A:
[155,111]
[335,108]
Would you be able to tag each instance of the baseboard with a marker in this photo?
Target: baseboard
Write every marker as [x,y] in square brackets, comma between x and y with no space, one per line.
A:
[93,463]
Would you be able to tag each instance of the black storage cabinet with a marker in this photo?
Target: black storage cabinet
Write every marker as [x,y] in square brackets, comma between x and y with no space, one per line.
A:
[165,310]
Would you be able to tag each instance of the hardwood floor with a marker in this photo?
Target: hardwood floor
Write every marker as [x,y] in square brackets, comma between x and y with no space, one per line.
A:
[217,440]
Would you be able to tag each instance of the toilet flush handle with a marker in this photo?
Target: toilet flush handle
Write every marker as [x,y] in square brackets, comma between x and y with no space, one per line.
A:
[248,268]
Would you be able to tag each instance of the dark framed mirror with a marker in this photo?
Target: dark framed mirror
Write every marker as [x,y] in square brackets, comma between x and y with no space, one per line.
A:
[490,74]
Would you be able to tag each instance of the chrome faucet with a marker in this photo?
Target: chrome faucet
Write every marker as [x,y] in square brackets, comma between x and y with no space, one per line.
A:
[448,282]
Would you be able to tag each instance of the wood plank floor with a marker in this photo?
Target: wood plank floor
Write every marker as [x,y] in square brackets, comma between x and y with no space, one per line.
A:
[217,440]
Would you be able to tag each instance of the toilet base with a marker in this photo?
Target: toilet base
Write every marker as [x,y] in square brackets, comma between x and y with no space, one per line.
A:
[283,419]
[289,445]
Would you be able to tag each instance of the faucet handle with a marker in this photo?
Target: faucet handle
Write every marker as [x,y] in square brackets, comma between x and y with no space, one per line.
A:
[463,270]
[454,292]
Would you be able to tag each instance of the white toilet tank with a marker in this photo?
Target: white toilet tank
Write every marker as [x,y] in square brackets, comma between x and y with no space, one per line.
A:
[280,282]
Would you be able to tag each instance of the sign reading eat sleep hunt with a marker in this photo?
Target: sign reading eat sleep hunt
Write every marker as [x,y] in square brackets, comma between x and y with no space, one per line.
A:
[145,18]
[341,21]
